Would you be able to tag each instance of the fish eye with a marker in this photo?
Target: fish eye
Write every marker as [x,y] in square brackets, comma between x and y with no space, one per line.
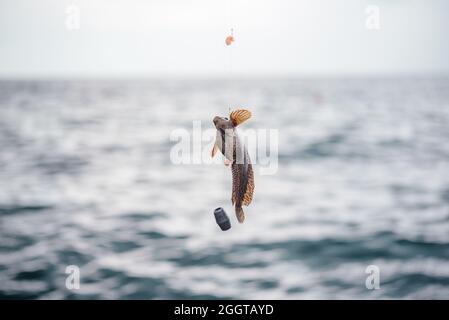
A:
[226,118]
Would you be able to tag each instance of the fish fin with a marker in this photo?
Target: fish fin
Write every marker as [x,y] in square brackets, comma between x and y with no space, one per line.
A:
[240,214]
[239,116]
[214,150]
[233,195]
[248,196]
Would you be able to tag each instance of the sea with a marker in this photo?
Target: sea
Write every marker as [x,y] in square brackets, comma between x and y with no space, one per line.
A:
[94,205]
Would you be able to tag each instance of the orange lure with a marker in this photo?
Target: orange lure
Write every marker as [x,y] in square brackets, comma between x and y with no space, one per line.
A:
[229,40]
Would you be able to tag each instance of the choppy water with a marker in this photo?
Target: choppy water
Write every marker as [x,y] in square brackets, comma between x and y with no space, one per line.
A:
[86,180]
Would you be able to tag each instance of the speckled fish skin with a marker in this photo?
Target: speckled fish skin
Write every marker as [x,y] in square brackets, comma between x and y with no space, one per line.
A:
[231,147]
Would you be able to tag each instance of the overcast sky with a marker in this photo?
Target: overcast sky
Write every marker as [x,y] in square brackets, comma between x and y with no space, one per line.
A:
[148,38]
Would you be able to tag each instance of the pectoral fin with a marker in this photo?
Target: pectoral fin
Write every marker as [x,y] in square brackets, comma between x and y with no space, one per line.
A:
[239,116]
[214,150]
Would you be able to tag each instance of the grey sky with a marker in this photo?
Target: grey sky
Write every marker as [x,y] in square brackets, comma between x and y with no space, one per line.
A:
[147,38]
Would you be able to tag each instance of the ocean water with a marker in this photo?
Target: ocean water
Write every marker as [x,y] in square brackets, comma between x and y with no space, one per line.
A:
[86,179]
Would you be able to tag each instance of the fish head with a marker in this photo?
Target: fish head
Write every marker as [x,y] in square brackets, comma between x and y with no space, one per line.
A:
[222,123]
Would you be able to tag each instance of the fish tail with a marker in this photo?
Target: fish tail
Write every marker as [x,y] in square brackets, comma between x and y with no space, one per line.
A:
[239,213]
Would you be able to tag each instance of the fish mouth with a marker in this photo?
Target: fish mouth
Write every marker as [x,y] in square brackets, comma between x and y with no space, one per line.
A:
[216,122]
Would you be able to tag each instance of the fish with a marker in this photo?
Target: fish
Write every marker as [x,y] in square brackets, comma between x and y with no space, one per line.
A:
[235,154]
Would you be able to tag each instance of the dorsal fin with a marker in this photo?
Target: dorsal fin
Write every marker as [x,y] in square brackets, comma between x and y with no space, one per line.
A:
[248,196]
[239,116]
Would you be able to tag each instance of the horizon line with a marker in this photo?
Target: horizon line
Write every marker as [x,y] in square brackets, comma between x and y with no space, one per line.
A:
[298,75]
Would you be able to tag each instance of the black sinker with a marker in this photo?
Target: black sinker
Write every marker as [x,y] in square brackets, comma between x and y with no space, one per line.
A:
[222,219]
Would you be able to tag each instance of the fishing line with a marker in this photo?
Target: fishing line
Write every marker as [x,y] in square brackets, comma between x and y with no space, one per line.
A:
[230,38]
[229,43]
